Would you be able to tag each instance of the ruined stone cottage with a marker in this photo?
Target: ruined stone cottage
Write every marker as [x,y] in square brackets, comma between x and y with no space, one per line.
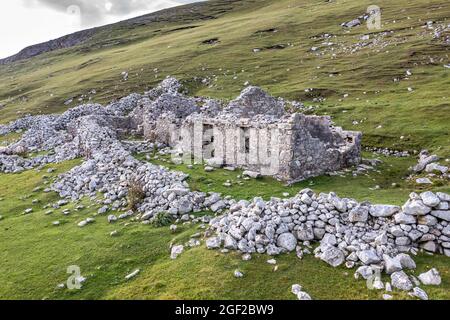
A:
[253,132]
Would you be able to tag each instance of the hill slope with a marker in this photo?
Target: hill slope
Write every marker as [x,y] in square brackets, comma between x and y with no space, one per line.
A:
[210,46]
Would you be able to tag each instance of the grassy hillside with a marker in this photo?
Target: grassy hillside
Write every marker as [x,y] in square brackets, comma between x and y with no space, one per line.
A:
[35,254]
[149,51]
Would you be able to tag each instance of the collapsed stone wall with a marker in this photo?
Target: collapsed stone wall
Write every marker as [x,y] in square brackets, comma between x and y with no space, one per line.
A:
[348,231]
[318,148]
[303,146]
[357,234]
[291,148]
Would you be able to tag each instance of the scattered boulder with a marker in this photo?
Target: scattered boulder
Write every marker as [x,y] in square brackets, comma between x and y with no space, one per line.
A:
[176,251]
[238,274]
[424,160]
[351,24]
[296,289]
[213,243]
[419,293]
[112,218]
[424,181]
[252,174]
[406,261]
[392,265]
[401,281]
[368,256]
[132,275]
[303,296]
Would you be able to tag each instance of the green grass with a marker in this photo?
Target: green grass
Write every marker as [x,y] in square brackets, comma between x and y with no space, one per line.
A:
[35,256]
[9,138]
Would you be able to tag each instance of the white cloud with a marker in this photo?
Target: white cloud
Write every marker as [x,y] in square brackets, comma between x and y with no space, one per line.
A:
[27,22]
[20,26]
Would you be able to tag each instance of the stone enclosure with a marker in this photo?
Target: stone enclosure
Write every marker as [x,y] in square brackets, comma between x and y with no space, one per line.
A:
[254,132]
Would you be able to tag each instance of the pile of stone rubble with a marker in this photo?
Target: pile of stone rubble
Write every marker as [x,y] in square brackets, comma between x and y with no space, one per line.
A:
[388,152]
[429,164]
[93,133]
[362,232]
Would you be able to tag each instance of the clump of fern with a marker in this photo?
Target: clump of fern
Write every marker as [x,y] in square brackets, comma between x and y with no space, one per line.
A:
[136,194]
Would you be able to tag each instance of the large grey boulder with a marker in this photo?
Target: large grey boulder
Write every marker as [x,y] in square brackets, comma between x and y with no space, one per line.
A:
[382,210]
[419,293]
[352,23]
[364,271]
[392,265]
[333,256]
[359,214]
[431,277]
[406,261]
[213,243]
[368,256]
[230,243]
[400,280]
[305,233]
[416,208]
[436,167]
[219,205]
[287,241]
[429,246]
[328,240]
[430,199]
[424,160]
[176,251]
[184,206]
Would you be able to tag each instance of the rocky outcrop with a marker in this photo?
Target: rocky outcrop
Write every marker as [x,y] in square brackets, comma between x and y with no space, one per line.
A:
[56,44]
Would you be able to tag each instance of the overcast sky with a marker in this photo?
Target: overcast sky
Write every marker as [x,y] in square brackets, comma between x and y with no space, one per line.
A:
[27,22]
